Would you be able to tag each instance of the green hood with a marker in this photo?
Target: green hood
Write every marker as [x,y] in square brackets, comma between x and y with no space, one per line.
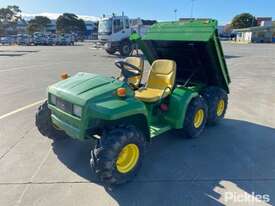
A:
[82,87]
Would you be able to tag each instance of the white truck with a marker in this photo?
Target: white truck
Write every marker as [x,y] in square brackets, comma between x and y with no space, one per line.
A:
[114,33]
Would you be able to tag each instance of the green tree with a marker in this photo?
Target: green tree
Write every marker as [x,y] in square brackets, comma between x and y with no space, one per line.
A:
[69,22]
[81,26]
[1,29]
[9,17]
[38,24]
[243,20]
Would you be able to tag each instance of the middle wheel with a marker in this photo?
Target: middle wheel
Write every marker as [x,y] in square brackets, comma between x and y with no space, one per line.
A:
[195,118]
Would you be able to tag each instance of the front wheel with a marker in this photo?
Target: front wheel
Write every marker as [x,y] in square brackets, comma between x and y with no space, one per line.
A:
[125,48]
[195,118]
[118,156]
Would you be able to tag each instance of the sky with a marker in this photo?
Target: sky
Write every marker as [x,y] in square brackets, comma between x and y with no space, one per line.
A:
[222,10]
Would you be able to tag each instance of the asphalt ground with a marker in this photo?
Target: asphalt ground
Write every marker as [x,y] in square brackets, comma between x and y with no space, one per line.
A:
[235,157]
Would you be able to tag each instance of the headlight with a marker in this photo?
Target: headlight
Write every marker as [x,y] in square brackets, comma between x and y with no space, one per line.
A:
[77,110]
[53,99]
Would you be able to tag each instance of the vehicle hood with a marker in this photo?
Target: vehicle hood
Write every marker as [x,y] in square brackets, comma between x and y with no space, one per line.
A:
[84,87]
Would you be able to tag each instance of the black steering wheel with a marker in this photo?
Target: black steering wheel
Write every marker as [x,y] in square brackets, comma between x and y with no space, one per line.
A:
[127,70]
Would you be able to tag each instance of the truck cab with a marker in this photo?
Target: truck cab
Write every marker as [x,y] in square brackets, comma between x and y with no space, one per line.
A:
[113,33]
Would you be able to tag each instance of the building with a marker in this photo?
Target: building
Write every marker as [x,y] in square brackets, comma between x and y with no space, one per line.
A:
[21,26]
[264,21]
[264,32]
[91,30]
[51,27]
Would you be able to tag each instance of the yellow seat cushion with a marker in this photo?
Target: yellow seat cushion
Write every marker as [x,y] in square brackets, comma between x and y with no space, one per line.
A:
[151,95]
[160,81]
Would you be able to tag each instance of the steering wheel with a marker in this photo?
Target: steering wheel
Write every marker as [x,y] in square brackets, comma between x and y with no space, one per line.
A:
[127,70]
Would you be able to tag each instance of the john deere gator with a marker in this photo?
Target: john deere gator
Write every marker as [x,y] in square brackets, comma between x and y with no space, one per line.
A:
[187,88]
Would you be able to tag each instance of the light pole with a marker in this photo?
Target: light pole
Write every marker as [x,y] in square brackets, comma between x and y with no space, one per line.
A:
[175,11]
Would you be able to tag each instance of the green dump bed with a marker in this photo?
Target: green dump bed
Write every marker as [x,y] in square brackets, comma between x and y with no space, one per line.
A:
[195,47]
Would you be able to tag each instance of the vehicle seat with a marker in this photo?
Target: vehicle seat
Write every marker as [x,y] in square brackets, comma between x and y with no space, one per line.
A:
[139,63]
[160,81]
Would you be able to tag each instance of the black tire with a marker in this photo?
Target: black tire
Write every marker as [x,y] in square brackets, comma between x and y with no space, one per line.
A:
[110,51]
[213,96]
[125,48]
[189,128]
[104,156]
[44,123]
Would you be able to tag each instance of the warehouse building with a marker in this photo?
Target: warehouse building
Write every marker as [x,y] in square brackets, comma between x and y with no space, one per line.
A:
[264,32]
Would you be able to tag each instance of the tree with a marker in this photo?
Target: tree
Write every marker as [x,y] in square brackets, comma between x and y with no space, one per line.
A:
[38,24]
[1,29]
[243,20]
[68,23]
[10,14]
[9,17]
[81,26]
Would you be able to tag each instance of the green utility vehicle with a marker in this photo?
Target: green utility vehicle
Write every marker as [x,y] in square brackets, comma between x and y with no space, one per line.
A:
[186,88]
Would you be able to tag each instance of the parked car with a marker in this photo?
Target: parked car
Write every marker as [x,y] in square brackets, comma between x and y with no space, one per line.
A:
[51,39]
[66,39]
[8,40]
[39,39]
[24,39]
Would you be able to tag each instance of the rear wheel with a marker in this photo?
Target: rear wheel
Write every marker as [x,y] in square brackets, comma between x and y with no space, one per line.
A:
[195,118]
[118,156]
[217,101]
[44,123]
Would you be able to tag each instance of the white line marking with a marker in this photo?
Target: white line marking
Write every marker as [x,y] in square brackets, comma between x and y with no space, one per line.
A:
[18,68]
[21,109]
[45,66]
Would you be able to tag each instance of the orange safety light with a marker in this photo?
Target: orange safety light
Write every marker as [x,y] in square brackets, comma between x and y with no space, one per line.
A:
[121,92]
[64,76]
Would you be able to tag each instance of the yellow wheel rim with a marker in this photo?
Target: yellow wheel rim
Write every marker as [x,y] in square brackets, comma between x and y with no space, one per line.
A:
[198,119]
[220,107]
[127,158]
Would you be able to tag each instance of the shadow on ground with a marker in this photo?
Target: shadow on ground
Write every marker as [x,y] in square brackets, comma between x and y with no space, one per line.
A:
[20,51]
[232,156]
[118,56]
[231,56]
[11,55]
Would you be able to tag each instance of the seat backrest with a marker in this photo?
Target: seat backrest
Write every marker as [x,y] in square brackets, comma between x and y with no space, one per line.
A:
[139,63]
[162,74]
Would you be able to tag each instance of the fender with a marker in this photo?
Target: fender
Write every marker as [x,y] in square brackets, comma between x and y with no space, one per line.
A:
[119,111]
[179,102]
[114,109]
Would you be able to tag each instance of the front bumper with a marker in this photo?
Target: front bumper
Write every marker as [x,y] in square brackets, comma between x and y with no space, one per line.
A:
[68,129]
[70,124]
[107,44]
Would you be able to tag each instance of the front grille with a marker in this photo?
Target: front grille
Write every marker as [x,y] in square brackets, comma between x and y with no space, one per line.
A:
[64,105]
